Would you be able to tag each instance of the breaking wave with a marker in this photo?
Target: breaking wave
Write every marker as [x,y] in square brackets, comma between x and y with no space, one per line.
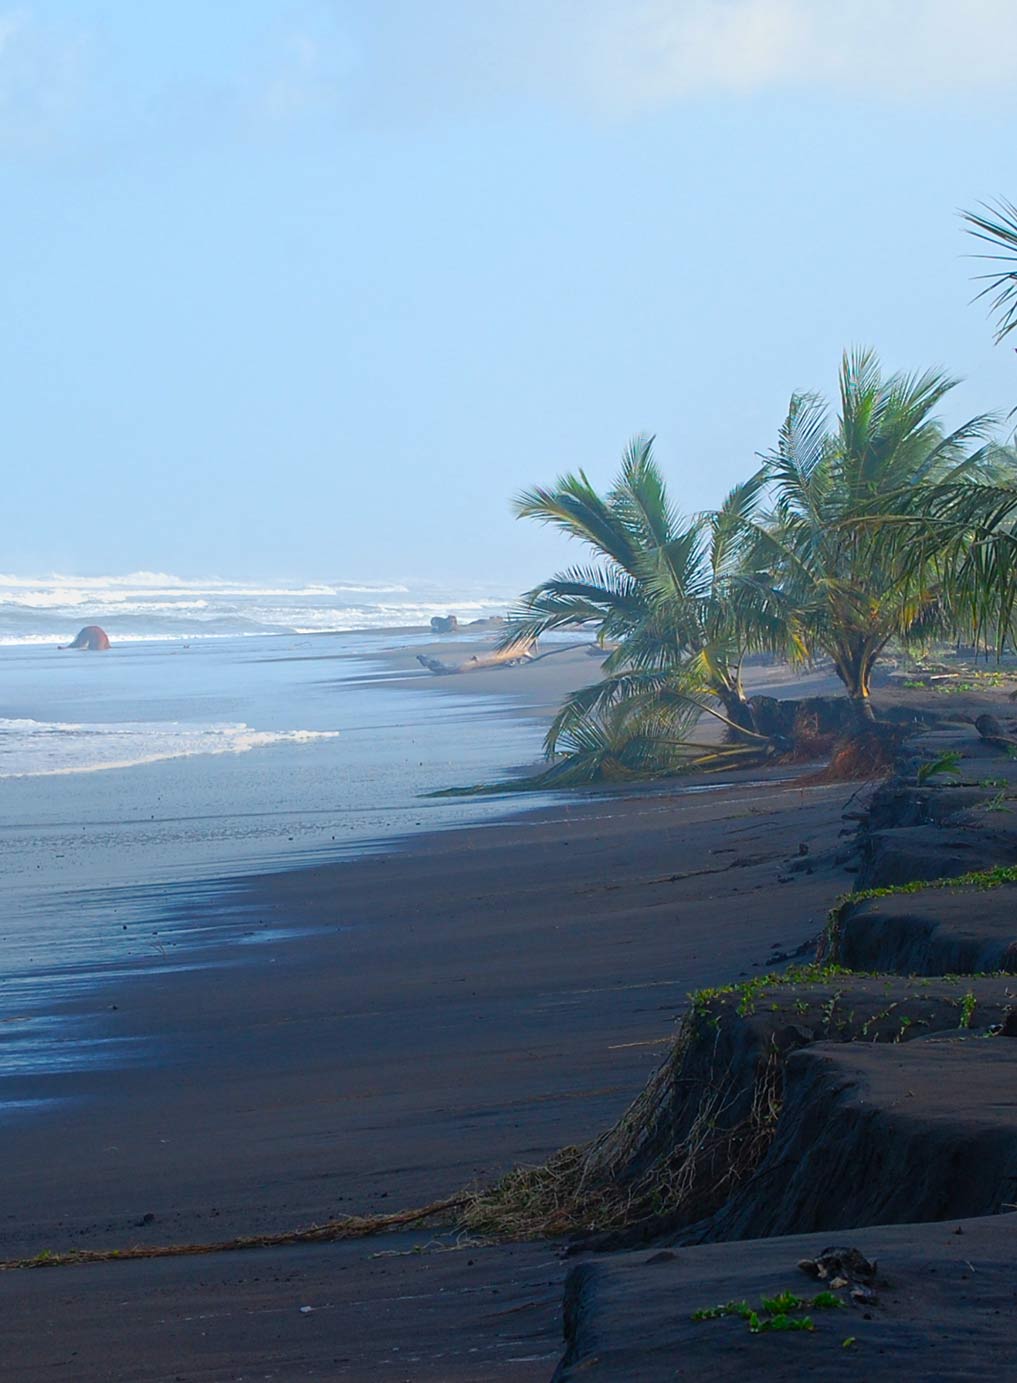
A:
[32,748]
[156,605]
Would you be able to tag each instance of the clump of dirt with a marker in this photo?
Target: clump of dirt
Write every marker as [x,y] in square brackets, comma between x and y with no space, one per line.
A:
[864,755]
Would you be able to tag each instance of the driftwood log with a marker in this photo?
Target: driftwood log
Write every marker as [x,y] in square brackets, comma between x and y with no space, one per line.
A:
[503,657]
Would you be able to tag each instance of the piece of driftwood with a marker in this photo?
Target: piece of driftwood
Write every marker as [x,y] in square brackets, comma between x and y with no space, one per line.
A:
[503,657]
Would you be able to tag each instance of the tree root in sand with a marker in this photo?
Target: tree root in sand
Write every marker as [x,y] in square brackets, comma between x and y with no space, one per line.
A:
[350,1227]
[696,1136]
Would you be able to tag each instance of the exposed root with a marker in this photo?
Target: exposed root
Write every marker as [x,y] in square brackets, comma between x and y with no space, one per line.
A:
[350,1227]
[576,1193]
[865,756]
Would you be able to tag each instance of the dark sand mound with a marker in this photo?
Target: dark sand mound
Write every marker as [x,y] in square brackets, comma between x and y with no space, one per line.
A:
[945,826]
[944,1313]
[884,1135]
[901,856]
[939,931]
[705,1121]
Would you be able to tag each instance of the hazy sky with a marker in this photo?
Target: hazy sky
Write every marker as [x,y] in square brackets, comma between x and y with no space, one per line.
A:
[312,289]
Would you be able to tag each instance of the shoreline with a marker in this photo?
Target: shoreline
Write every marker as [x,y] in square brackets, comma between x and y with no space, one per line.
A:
[416,1020]
[430,1028]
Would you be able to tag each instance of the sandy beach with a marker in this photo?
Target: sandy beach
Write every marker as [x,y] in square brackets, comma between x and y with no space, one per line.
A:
[416,1021]
[372,1034]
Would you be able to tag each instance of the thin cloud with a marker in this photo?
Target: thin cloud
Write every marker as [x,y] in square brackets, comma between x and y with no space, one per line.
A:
[41,79]
[661,52]
[627,56]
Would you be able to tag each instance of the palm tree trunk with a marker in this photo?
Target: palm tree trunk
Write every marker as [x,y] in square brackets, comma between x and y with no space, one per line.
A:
[739,712]
[854,669]
[863,707]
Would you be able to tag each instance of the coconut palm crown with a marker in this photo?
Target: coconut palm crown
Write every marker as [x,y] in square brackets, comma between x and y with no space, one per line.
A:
[846,591]
[662,592]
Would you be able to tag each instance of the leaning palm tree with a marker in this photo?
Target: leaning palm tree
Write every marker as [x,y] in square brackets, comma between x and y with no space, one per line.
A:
[663,595]
[844,590]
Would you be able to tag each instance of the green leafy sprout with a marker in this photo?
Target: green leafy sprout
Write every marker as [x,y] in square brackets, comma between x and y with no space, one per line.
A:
[948,763]
[781,1312]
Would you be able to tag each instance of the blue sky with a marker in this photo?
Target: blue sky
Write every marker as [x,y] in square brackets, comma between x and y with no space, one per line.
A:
[312,289]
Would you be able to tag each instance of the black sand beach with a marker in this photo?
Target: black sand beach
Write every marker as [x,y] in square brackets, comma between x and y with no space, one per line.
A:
[422,1020]
[475,1000]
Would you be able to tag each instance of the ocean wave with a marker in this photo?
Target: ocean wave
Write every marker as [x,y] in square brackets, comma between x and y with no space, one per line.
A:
[154,605]
[34,748]
[60,588]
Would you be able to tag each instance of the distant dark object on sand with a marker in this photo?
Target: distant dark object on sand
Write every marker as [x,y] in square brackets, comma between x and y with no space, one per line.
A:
[91,638]
[449,624]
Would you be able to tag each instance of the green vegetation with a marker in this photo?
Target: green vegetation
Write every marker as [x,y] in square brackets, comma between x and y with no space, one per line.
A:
[948,763]
[777,1313]
[873,529]
[997,227]
[967,1009]
[979,879]
[750,992]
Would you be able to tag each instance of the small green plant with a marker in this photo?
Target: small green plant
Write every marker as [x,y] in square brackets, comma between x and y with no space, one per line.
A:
[849,1341]
[753,991]
[979,879]
[967,1009]
[996,804]
[782,1323]
[727,1308]
[948,763]
[776,1313]
[781,1304]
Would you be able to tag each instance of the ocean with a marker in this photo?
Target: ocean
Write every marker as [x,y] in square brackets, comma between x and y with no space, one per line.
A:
[224,732]
[150,606]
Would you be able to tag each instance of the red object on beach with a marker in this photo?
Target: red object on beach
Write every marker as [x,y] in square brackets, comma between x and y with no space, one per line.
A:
[90,638]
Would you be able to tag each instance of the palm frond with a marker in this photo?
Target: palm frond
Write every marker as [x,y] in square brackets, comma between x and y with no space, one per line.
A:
[997,226]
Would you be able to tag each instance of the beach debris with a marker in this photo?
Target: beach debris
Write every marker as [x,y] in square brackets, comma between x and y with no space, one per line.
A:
[348,1227]
[864,1296]
[444,624]
[89,639]
[502,657]
[843,1265]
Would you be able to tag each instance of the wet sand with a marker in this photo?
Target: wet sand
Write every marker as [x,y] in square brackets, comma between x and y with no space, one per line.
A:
[475,1000]
[419,1020]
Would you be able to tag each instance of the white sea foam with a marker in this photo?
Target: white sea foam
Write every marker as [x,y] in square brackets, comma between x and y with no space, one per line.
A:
[159,606]
[33,748]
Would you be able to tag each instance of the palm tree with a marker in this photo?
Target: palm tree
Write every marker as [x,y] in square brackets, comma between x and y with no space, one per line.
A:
[844,590]
[997,226]
[662,593]
[965,529]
